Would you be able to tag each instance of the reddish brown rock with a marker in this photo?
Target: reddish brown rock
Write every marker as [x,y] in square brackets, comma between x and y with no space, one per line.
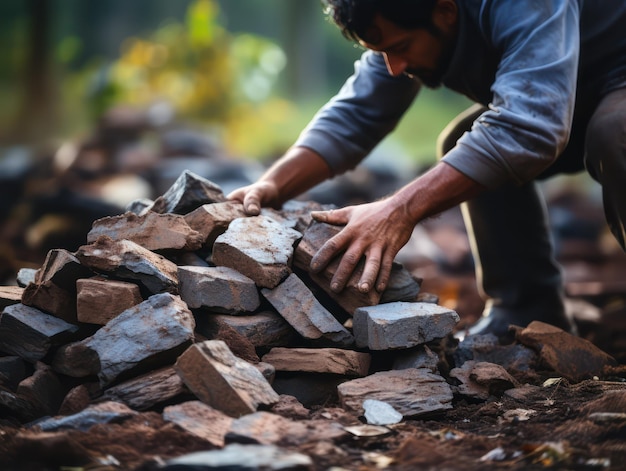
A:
[571,357]
[99,300]
[212,220]
[319,360]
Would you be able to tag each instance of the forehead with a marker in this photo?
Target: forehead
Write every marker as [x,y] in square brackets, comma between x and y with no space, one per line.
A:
[382,34]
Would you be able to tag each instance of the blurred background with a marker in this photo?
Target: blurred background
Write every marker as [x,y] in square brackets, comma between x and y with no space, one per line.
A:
[103,103]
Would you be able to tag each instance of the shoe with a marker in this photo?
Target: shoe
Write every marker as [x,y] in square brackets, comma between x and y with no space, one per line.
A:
[497,320]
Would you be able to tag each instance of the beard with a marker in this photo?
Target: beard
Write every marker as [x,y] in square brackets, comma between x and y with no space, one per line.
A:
[433,77]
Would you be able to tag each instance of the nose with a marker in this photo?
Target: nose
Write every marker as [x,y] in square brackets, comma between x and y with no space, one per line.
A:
[395,64]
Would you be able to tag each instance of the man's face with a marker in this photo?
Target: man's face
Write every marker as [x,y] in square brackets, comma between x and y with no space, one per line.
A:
[414,52]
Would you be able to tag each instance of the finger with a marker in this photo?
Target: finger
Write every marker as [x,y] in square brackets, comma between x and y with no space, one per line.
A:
[371,270]
[336,217]
[384,272]
[331,249]
[346,267]
[252,203]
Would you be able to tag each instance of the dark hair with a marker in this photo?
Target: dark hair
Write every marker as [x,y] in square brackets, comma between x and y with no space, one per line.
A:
[355,17]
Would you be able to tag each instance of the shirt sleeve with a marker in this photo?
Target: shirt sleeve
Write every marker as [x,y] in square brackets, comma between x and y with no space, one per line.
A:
[366,109]
[528,121]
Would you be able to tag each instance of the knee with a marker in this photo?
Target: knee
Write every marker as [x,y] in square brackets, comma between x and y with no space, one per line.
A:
[605,142]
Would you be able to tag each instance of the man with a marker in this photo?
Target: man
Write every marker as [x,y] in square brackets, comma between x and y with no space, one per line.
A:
[549,80]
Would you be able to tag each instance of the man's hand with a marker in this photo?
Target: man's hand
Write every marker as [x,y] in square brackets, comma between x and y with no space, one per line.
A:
[375,230]
[256,196]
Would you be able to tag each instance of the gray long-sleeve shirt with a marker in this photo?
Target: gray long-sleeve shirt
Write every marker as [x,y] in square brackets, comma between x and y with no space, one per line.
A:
[528,61]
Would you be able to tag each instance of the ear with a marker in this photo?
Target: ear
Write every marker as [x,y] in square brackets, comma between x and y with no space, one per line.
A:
[445,14]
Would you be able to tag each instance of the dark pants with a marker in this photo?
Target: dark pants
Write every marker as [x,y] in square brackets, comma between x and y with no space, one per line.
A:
[508,227]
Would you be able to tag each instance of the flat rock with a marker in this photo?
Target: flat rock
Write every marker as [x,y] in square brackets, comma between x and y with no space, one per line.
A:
[258,247]
[319,360]
[200,420]
[219,289]
[129,261]
[221,380]
[266,428]
[152,231]
[401,324]
[412,392]
[242,458]
[10,295]
[571,357]
[295,302]
[147,390]
[103,413]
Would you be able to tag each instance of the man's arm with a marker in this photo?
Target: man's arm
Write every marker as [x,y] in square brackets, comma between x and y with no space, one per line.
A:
[379,230]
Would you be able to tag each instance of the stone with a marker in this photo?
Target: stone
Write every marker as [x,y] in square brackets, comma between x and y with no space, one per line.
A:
[258,247]
[480,380]
[417,357]
[200,420]
[212,220]
[401,324]
[219,289]
[188,192]
[221,380]
[52,299]
[513,357]
[380,413]
[44,390]
[129,261]
[242,458]
[13,369]
[77,399]
[295,302]
[262,329]
[319,360]
[98,300]
[152,231]
[289,406]
[412,392]
[402,286]
[147,390]
[102,413]
[150,334]
[215,329]
[571,357]
[26,276]
[266,428]
[63,269]
[30,333]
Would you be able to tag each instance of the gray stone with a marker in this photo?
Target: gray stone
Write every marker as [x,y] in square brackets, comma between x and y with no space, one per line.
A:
[148,335]
[30,333]
[295,302]
[187,193]
[380,413]
[401,324]
[412,392]
[25,276]
[258,247]
[242,457]
[219,289]
[103,413]
[418,357]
